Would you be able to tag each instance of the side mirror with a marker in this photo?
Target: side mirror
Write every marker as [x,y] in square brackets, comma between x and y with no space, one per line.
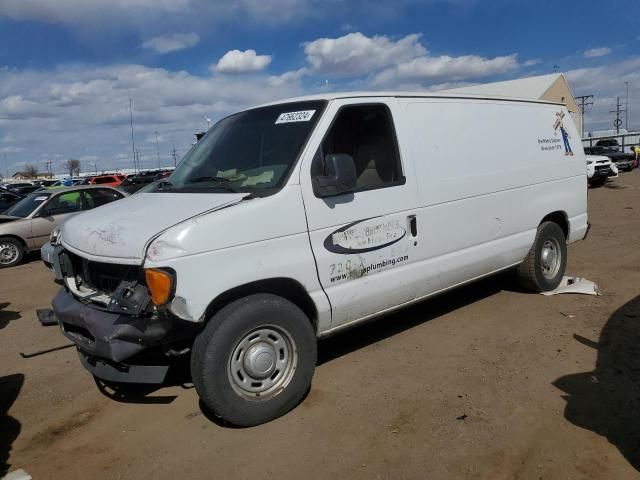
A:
[340,178]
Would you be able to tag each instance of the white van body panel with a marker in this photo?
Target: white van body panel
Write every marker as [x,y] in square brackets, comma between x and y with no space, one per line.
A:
[263,238]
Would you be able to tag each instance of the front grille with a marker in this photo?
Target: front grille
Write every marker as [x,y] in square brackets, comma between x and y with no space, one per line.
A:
[104,277]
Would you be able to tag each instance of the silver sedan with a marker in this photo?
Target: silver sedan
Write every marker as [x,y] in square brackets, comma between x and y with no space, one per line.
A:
[26,226]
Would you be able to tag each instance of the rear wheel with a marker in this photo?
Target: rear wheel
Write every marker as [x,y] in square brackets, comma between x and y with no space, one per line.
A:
[544,266]
[254,360]
[11,252]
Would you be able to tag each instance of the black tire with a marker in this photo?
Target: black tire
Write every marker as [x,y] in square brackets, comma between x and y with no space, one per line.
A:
[11,252]
[531,272]
[598,182]
[218,348]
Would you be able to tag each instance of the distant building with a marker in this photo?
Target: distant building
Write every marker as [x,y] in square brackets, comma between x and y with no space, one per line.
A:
[28,176]
[553,87]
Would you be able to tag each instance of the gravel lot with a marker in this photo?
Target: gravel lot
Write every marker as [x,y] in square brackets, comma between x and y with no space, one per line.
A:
[486,382]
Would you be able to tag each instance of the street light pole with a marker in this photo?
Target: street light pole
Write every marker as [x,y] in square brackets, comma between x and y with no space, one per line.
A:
[626,109]
[157,149]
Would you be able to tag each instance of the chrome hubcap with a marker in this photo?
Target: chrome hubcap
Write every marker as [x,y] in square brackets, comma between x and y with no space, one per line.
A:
[8,253]
[550,258]
[263,362]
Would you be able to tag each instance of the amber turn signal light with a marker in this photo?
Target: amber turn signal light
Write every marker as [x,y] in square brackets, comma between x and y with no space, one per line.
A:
[160,285]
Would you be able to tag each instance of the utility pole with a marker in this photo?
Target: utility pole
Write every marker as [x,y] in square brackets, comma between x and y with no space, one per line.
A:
[157,149]
[585,101]
[626,109]
[617,122]
[133,143]
[49,166]
[6,165]
[175,157]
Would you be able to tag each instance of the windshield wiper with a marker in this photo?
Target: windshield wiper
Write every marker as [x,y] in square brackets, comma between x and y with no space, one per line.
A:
[209,179]
[221,183]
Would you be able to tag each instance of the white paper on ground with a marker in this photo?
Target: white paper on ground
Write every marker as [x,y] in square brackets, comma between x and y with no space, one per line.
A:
[19,474]
[575,285]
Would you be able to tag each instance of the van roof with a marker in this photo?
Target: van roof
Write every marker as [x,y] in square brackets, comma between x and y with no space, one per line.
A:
[451,95]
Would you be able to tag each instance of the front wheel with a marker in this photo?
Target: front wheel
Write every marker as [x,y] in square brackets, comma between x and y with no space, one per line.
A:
[543,268]
[254,360]
[597,182]
[11,252]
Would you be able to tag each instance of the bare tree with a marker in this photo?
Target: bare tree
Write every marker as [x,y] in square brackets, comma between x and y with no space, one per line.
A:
[73,166]
[31,170]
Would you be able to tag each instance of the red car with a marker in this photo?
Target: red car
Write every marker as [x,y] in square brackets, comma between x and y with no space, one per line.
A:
[109,180]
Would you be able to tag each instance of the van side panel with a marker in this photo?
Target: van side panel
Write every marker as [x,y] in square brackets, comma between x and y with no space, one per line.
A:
[488,172]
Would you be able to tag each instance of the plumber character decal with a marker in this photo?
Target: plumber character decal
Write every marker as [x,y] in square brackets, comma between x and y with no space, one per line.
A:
[558,125]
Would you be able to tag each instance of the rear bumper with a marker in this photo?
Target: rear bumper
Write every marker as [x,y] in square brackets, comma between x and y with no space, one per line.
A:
[107,341]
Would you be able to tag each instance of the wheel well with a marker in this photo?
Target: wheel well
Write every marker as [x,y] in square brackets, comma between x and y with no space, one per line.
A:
[559,218]
[15,237]
[283,287]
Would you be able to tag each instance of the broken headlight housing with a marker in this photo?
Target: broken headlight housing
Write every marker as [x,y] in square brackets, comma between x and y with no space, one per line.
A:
[55,236]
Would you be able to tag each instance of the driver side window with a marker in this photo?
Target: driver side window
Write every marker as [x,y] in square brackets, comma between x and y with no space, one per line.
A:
[366,133]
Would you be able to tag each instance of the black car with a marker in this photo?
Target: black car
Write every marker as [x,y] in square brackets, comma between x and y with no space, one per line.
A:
[7,199]
[132,184]
[25,190]
[624,161]
[608,142]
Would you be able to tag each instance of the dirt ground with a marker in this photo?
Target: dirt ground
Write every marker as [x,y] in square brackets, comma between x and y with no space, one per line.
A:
[485,382]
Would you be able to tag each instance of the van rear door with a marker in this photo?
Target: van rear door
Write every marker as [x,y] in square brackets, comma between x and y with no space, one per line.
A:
[363,241]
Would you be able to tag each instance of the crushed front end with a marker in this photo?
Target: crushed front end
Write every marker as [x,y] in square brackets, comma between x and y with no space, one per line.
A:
[107,311]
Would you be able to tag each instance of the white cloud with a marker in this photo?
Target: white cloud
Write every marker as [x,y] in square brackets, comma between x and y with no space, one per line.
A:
[597,52]
[11,149]
[171,42]
[235,61]
[356,54]
[83,111]
[75,11]
[128,13]
[532,62]
[429,69]
[606,83]
[288,77]
[391,63]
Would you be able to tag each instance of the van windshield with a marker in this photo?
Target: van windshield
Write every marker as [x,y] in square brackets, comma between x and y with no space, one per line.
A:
[251,151]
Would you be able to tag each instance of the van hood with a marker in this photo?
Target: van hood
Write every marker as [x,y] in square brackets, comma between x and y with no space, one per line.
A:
[123,228]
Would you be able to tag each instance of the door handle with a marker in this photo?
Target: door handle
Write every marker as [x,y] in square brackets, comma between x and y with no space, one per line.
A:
[413,225]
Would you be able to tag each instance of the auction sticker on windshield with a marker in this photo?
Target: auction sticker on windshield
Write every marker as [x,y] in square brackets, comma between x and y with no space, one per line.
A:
[301,116]
[40,199]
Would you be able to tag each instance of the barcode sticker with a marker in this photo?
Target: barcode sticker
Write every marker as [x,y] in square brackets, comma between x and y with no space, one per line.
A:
[302,116]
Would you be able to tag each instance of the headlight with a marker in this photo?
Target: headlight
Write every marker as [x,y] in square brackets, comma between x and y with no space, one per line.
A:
[55,236]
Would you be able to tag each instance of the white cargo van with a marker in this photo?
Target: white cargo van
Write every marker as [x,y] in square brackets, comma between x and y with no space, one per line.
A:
[294,220]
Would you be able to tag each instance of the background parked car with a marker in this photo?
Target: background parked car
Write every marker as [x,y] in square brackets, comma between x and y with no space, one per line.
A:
[624,161]
[26,190]
[26,226]
[7,199]
[600,169]
[133,183]
[110,180]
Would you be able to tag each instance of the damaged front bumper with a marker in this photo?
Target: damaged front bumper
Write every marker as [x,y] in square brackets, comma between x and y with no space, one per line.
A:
[120,337]
[106,341]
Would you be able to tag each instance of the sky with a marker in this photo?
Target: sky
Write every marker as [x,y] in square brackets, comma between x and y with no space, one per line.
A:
[68,68]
